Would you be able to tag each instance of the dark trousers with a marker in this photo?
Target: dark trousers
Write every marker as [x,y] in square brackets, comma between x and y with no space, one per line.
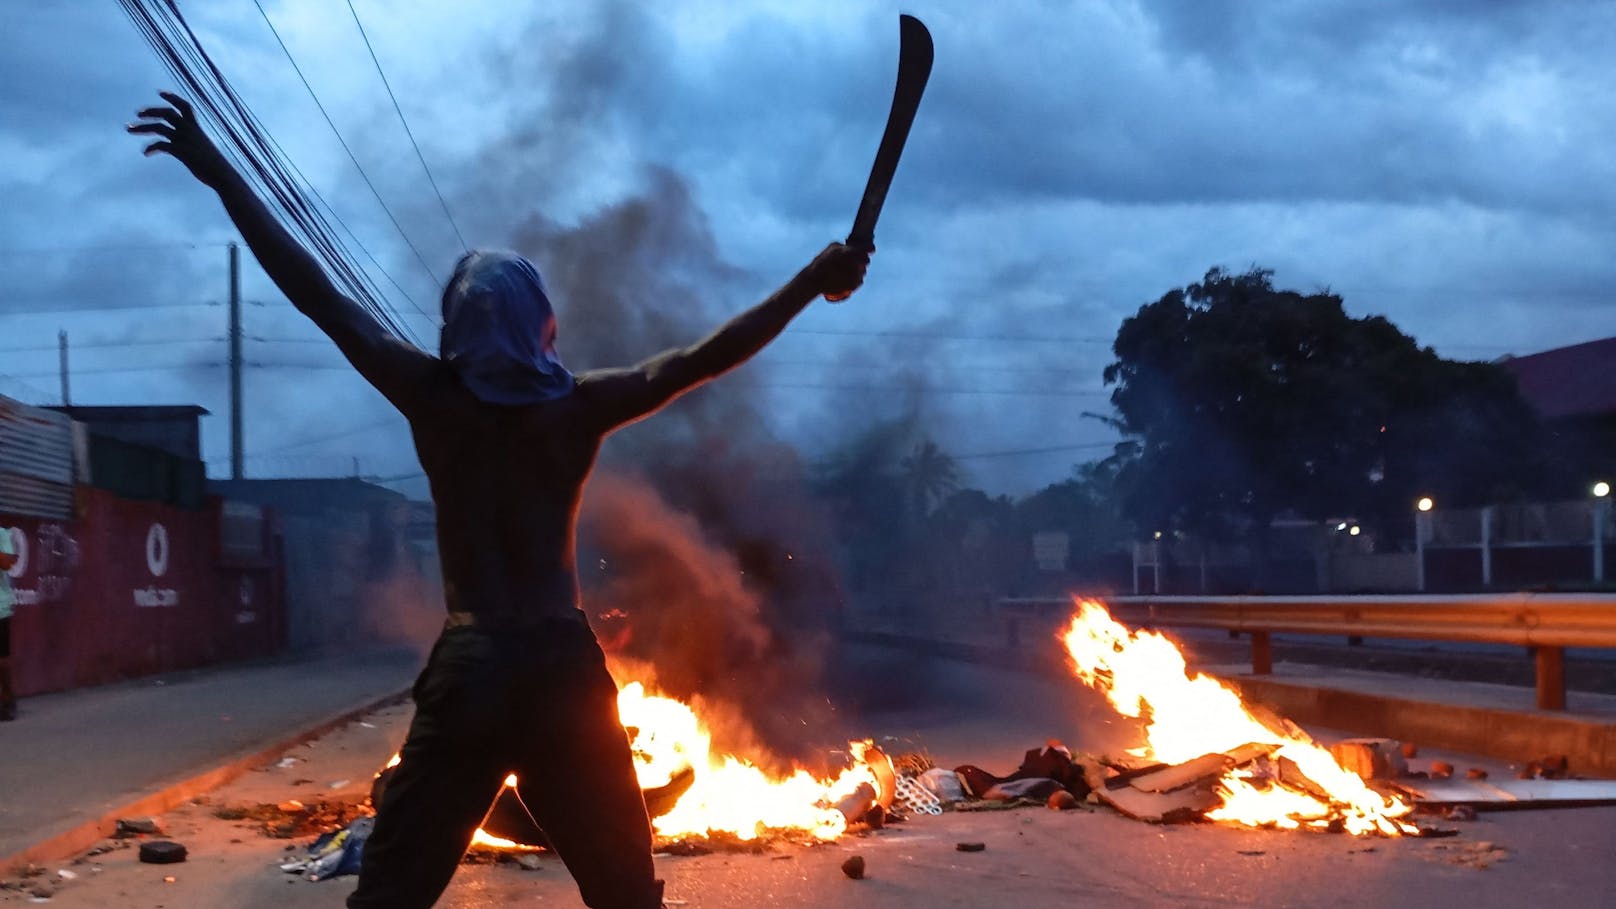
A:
[537,702]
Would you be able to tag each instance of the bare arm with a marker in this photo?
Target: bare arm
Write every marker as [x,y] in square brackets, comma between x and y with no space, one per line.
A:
[397,369]
[619,396]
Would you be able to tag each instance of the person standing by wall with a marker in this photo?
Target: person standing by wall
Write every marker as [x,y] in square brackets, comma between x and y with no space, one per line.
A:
[8,558]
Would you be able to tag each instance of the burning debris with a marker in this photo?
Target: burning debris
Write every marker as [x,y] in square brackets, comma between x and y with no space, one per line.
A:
[1204,757]
[691,791]
[1258,772]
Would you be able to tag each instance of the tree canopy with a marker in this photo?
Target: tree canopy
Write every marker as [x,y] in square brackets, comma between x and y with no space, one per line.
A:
[1247,402]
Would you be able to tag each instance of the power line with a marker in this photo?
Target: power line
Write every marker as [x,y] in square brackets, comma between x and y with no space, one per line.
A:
[1014,452]
[77,345]
[344,142]
[75,309]
[104,247]
[766,360]
[952,336]
[887,387]
[407,131]
[939,390]
[381,424]
[258,157]
[263,340]
[306,216]
[121,369]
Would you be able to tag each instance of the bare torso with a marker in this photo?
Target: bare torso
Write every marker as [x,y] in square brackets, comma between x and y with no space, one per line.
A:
[507,483]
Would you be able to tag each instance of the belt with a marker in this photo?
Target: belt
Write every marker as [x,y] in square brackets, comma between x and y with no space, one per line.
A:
[513,622]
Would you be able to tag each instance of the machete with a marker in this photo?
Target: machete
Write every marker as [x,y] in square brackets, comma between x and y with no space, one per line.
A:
[914,67]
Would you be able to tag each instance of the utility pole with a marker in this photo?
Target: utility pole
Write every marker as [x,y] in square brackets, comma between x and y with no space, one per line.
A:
[235,363]
[61,353]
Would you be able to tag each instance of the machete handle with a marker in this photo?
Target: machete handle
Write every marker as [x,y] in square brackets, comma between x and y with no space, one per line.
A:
[869,249]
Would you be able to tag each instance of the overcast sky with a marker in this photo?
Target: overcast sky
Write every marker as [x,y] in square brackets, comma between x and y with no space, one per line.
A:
[1445,163]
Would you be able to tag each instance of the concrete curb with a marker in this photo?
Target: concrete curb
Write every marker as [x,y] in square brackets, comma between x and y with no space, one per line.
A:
[1588,743]
[82,836]
[1512,735]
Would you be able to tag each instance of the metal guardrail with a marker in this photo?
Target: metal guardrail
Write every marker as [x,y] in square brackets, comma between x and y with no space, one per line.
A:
[1545,622]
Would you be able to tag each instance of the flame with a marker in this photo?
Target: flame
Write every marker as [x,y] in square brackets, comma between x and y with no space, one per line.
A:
[729,795]
[1186,716]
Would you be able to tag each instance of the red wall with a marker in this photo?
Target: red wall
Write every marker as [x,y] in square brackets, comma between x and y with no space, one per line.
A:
[101,598]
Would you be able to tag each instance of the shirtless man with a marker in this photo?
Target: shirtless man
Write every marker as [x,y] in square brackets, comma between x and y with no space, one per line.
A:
[517,682]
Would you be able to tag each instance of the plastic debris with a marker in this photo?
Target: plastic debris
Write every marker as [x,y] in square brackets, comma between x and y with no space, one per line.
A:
[336,854]
[917,798]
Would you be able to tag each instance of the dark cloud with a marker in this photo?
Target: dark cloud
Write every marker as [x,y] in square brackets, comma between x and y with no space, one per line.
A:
[1439,162]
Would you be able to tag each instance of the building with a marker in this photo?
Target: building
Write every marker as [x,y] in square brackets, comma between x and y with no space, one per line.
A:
[359,567]
[1574,390]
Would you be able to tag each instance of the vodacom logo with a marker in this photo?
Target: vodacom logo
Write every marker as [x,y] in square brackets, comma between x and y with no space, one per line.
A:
[157,550]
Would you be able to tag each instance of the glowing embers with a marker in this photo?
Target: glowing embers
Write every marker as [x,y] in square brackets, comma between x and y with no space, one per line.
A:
[1250,771]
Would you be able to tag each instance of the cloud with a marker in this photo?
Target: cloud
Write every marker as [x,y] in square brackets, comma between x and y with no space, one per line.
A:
[1439,161]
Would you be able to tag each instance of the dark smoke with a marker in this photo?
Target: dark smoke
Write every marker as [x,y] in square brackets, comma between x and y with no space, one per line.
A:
[717,567]
[702,550]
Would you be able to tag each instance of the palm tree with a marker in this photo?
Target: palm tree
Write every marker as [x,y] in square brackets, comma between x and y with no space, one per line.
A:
[929,475]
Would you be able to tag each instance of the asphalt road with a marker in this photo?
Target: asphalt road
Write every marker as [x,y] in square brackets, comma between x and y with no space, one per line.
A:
[1034,858]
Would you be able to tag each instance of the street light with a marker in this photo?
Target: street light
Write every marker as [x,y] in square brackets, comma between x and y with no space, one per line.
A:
[1422,529]
[1601,514]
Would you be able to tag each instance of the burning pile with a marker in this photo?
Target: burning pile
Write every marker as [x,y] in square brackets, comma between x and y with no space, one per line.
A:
[1204,756]
[691,791]
[729,795]
[1265,776]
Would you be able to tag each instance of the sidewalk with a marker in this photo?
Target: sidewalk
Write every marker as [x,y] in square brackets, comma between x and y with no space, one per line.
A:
[73,758]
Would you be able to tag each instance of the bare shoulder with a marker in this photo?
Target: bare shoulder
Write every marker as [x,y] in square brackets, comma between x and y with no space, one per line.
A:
[598,394]
[424,388]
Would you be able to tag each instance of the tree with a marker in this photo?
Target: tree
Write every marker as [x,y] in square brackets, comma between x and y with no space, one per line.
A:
[929,476]
[1248,402]
[1084,507]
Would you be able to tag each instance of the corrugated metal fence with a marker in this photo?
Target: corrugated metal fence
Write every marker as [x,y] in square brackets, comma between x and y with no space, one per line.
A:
[36,461]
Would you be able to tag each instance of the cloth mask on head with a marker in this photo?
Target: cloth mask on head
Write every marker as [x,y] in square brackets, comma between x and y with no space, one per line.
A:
[499,331]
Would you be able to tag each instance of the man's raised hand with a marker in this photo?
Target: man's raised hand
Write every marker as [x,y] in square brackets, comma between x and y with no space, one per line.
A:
[180,135]
[839,270]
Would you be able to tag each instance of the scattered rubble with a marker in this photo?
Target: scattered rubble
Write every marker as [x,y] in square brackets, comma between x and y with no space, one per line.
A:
[854,867]
[1479,855]
[1371,759]
[293,819]
[529,861]
[131,827]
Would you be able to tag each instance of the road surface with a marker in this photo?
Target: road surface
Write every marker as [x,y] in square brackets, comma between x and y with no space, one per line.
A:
[1034,858]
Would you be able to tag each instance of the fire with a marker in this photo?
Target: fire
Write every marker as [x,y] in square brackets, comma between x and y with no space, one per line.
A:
[1186,716]
[729,794]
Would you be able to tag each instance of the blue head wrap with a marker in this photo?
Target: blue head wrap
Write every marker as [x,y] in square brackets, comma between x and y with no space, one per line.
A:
[499,331]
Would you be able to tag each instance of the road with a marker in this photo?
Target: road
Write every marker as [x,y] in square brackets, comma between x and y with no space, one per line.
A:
[1034,858]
